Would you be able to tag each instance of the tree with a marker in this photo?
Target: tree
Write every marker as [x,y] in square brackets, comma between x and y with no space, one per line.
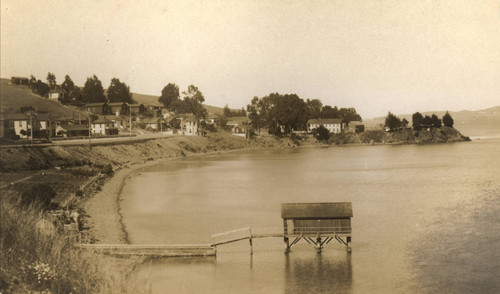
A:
[436,122]
[427,122]
[76,94]
[221,121]
[169,95]
[256,114]
[404,123]
[393,122]
[51,80]
[417,121]
[448,120]
[230,113]
[321,133]
[314,108]
[119,92]
[191,103]
[226,111]
[287,113]
[349,114]
[40,88]
[32,80]
[328,112]
[67,86]
[93,91]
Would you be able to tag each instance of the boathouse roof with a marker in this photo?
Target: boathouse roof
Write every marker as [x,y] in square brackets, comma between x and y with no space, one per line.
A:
[325,210]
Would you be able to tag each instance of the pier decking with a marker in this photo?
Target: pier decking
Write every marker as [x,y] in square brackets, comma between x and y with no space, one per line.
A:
[171,250]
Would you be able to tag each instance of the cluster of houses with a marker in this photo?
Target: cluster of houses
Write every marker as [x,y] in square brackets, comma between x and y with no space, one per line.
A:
[43,125]
[109,119]
[96,119]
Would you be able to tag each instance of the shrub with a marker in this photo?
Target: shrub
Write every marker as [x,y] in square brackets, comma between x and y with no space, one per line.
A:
[372,136]
[321,133]
[108,169]
[296,139]
[36,164]
[39,195]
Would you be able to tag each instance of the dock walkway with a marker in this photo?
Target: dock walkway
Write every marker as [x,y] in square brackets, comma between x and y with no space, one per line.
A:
[191,250]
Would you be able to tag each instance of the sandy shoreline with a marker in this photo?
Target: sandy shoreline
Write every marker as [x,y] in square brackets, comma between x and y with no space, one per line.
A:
[104,207]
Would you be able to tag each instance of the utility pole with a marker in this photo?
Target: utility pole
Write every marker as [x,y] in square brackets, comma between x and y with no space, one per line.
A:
[31,132]
[90,131]
[129,124]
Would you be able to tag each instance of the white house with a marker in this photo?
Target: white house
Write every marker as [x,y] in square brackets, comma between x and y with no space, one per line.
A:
[55,94]
[189,126]
[104,126]
[21,124]
[334,125]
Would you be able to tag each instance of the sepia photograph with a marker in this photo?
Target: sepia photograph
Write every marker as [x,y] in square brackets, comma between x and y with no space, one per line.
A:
[221,146]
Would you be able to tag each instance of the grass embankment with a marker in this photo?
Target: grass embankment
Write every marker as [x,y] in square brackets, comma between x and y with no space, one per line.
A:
[34,257]
[77,173]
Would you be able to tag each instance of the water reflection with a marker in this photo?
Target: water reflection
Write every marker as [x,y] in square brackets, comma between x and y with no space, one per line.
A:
[410,237]
[319,274]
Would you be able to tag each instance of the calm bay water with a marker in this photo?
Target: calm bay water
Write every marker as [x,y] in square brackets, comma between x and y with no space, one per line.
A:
[426,219]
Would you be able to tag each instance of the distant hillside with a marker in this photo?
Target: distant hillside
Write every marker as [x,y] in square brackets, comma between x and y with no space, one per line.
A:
[13,97]
[153,100]
[479,123]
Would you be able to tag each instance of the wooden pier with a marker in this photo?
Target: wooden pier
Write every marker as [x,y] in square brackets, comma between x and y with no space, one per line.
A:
[316,223]
[172,250]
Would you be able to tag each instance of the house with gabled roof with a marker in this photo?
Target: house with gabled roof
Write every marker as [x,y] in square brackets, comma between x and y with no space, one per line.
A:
[56,94]
[69,130]
[104,126]
[355,127]
[137,108]
[20,123]
[100,108]
[119,108]
[189,124]
[154,123]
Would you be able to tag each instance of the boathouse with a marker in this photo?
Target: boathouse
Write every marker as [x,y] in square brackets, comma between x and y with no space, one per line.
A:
[317,223]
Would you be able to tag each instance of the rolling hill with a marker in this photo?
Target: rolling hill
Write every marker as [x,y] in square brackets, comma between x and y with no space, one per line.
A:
[153,100]
[13,97]
[476,124]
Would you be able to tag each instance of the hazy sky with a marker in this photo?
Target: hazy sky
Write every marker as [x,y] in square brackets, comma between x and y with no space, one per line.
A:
[402,56]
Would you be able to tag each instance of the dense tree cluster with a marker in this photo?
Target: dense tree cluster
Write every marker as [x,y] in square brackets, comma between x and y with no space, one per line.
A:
[119,92]
[419,121]
[394,123]
[192,101]
[51,80]
[233,113]
[281,114]
[169,95]
[93,91]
